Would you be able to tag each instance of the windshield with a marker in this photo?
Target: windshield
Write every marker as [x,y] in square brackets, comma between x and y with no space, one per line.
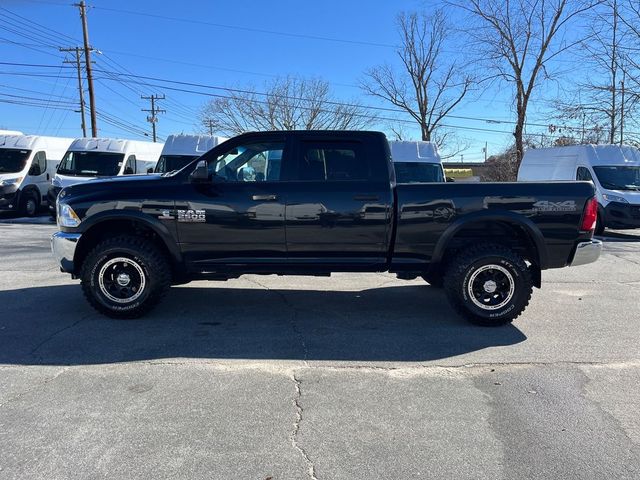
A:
[414,172]
[169,163]
[12,160]
[91,164]
[619,177]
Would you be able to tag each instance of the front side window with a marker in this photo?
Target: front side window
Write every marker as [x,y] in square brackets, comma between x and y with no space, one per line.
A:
[332,161]
[91,164]
[12,160]
[39,164]
[584,174]
[619,177]
[130,167]
[253,162]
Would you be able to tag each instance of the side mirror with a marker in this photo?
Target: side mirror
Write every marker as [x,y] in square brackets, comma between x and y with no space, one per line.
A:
[450,179]
[201,173]
[149,170]
[128,171]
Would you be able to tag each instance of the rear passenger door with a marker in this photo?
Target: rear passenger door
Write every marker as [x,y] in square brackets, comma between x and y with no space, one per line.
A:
[337,214]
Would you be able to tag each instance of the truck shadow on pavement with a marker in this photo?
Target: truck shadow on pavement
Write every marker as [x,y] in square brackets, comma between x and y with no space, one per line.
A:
[55,326]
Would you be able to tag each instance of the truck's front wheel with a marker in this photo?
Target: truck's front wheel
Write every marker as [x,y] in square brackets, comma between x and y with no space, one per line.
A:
[125,276]
[489,284]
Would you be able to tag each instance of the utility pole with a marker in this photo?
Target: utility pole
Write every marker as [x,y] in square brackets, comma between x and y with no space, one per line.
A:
[624,76]
[153,119]
[77,50]
[486,147]
[209,123]
[87,60]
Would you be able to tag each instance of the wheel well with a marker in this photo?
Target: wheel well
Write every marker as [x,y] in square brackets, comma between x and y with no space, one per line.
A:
[503,233]
[112,228]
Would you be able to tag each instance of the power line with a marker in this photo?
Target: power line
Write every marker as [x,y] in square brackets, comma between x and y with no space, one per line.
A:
[247,29]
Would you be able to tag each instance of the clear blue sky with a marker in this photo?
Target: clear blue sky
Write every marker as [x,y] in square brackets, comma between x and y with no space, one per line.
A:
[208,54]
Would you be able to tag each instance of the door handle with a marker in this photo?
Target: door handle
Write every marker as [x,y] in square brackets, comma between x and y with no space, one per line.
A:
[264,198]
[48,176]
[366,198]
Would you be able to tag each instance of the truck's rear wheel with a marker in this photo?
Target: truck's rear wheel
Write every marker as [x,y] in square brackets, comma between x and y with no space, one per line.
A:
[489,284]
[125,277]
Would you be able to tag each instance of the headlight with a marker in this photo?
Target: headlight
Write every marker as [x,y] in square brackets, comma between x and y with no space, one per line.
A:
[10,181]
[614,198]
[66,216]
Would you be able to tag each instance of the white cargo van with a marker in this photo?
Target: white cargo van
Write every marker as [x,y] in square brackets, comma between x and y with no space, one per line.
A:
[614,169]
[91,158]
[180,150]
[416,162]
[27,163]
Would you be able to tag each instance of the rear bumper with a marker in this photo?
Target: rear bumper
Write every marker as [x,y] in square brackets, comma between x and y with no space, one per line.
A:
[621,215]
[63,247]
[586,252]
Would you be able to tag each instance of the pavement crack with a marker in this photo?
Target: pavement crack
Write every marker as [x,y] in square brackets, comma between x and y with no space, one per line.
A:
[56,333]
[46,381]
[293,320]
[311,469]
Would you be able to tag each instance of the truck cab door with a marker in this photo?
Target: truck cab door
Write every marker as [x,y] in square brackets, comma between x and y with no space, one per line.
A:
[339,209]
[237,219]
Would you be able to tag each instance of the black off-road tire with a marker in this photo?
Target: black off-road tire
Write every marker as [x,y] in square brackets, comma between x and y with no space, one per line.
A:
[141,259]
[504,269]
[29,204]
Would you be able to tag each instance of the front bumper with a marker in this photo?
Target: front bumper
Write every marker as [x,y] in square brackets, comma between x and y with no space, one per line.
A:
[63,247]
[9,198]
[622,215]
[586,252]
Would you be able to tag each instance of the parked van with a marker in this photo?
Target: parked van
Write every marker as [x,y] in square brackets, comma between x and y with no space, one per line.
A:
[614,169]
[10,132]
[180,150]
[27,163]
[91,158]
[416,162]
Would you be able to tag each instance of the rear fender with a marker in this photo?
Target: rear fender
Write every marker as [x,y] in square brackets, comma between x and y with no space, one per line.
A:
[508,218]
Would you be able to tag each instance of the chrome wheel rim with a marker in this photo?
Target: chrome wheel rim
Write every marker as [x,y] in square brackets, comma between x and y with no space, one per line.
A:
[491,287]
[121,280]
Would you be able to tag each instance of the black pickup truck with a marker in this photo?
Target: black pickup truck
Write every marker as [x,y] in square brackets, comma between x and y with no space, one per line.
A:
[312,203]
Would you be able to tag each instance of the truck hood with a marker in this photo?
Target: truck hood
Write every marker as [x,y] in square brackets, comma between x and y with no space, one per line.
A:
[111,185]
[67,180]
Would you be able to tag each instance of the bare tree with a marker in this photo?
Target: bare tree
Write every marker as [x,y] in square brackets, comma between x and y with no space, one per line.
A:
[597,110]
[519,38]
[429,85]
[289,103]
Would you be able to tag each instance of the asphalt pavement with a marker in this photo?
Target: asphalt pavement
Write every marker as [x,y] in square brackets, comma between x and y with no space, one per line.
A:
[356,376]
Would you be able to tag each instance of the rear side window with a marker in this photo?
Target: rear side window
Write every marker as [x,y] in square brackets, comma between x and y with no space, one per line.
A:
[332,162]
[583,173]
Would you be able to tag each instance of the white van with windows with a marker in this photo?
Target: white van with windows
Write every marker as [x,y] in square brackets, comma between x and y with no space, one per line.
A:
[92,158]
[27,164]
[416,162]
[614,170]
[180,150]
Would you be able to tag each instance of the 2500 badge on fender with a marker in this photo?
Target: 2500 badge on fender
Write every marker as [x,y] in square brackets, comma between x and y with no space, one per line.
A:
[317,202]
